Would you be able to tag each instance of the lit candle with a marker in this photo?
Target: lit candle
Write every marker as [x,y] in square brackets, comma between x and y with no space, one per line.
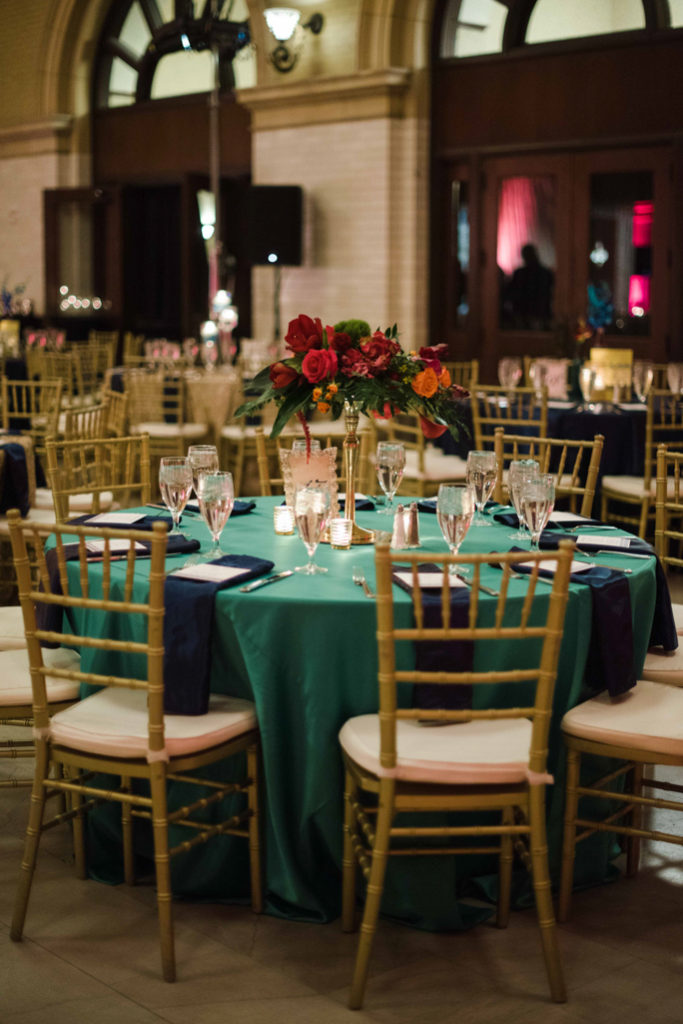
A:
[340,533]
[283,519]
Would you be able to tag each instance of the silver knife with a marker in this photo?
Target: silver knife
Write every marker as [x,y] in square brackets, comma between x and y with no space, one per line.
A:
[264,582]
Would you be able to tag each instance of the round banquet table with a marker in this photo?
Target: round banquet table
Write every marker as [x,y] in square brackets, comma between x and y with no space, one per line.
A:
[304,650]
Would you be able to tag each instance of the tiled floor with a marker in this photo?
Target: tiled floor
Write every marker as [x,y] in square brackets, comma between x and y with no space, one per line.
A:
[90,954]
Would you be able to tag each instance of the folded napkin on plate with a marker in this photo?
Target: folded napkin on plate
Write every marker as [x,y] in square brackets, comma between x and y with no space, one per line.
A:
[442,656]
[507,518]
[14,483]
[363,504]
[145,522]
[188,624]
[609,664]
[240,508]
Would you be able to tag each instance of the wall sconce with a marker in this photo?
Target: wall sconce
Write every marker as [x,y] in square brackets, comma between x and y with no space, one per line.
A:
[283,23]
[207,213]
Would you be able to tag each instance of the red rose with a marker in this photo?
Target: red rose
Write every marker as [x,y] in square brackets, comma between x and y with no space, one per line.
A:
[354,364]
[340,342]
[281,375]
[379,352]
[432,356]
[319,363]
[303,334]
[431,430]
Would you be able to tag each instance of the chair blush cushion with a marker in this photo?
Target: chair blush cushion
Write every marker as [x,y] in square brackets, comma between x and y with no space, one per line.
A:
[633,486]
[478,752]
[11,628]
[648,717]
[677,609]
[35,515]
[15,680]
[170,430]
[77,502]
[236,431]
[664,666]
[437,466]
[113,722]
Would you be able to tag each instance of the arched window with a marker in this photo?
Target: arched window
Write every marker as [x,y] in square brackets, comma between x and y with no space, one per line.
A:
[152,49]
[473,28]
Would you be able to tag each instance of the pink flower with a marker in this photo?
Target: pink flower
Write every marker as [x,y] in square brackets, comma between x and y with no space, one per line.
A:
[432,356]
[304,334]
[354,364]
[378,351]
[319,363]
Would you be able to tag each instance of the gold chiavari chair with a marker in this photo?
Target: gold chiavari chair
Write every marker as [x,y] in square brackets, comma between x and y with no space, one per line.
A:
[426,466]
[87,421]
[32,407]
[518,410]
[121,730]
[465,372]
[133,345]
[117,412]
[491,759]
[568,462]
[94,474]
[630,500]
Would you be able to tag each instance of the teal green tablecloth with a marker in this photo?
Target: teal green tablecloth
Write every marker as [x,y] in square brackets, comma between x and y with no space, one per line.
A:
[304,650]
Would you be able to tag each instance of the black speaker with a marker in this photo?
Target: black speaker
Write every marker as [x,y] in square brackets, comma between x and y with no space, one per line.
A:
[274,224]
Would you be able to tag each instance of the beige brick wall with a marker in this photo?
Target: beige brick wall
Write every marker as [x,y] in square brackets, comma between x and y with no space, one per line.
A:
[364,224]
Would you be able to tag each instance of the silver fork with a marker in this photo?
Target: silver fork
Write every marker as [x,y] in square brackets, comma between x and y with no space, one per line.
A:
[358,577]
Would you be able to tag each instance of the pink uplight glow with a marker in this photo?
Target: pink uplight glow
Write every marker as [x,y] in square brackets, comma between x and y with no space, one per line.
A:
[638,295]
[642,223]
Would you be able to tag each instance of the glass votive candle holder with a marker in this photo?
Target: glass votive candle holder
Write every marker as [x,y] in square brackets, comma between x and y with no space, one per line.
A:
[340,533]
[283,519]
[299,444]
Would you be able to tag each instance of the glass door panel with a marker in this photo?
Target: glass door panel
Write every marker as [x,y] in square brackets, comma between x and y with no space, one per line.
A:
[526,253]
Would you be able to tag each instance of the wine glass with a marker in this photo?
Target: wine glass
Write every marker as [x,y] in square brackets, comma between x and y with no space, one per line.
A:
[481,479]
[311,513]
[586,385]
[175,484]
[643,375]
[538,500]
[538,372]
[390,463]
[509,371]
[454,512]
[521,472]
[203,458]
[216,499]
[674,377]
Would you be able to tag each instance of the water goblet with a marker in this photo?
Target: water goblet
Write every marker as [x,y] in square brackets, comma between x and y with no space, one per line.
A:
[520,471]
[643,376]
[216,499]
[311,512]
[509,371]
[674,377]
[538,500]
[587,385]
[204,459]
[390,463]
[481,479]
[175,484]
[454,513]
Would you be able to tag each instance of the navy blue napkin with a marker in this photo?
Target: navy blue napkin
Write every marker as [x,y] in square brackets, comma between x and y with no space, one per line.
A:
[507,518]
[427,505]
[188,624]
[14,484]
[240,508]
[362,505]
[442,656]
[610,654]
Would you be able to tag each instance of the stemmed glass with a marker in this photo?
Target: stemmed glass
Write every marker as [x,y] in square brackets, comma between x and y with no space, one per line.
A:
[520,472]
[674,377]
[204,459]
[538,500]
[586,385]
[481,479]
[643,375]
[390,463]
[454,512]
[509,371]
[175,484]
[216,499]
[311,512]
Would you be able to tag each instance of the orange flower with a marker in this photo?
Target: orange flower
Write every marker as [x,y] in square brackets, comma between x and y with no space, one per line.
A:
[425,383]
[323,407]
[444,378]
[332,389]
[317,394]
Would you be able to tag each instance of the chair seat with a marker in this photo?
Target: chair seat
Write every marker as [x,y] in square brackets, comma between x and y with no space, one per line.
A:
[437,466]
[664,666]
[171,430]
[677,609]
[114,723]
[480,752]
[77,502]
[649,717]
[15,680]
[633,486]
[35,515]
[12,635]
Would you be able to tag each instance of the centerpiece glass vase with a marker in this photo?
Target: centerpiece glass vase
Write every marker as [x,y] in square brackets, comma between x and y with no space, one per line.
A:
[351,453]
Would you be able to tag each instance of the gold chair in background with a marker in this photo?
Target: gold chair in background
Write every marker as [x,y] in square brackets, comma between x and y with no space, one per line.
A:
[426,465]
[567,461]
[630,500]
[490,760]
[519,410]
[32,407]
[94,474]
[463,372]
[121,730]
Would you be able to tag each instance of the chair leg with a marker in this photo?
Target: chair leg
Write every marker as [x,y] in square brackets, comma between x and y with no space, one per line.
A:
[633,842]
[373,898]
[127,835]
[505,862]
[603,508]
[163,870]
[78,828]
[32,841]
[642,525]
[254,829]
[349,859]
[542,894]
[569,838]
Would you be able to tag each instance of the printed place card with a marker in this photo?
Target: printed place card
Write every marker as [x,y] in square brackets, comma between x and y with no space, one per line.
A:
[116,546]
[428,580]
[115,518]
[208,573]
[603,540]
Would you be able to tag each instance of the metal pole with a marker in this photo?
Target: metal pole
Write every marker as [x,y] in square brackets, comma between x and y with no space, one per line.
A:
[215,175]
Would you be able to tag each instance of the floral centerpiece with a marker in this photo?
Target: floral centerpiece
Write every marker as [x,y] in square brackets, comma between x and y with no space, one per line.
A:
[350,364]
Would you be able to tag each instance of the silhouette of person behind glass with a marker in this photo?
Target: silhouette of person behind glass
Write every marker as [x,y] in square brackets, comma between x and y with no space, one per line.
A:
[531,292]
